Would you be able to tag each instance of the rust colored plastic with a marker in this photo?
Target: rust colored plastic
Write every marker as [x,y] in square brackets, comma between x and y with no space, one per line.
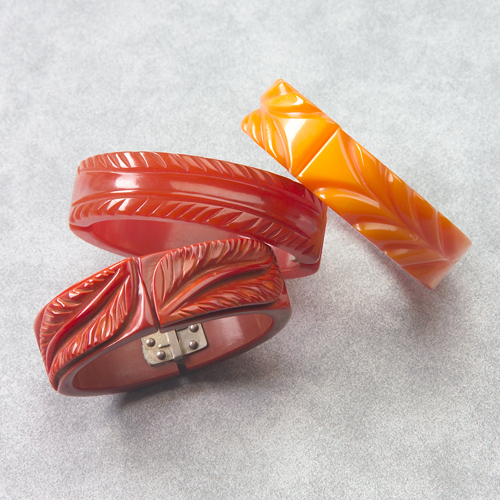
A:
[90,335]
[137,203]
[363,191]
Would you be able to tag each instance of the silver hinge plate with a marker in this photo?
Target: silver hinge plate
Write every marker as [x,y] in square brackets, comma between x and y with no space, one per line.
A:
[162,347]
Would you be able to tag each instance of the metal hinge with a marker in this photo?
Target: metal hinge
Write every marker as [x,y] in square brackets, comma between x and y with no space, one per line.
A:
[161,347]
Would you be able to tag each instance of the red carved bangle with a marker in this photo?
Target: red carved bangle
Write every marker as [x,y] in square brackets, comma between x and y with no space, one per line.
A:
[138,203]
[140,320]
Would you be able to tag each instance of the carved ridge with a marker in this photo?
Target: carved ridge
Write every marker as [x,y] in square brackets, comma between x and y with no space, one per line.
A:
[227,218]
[142,161]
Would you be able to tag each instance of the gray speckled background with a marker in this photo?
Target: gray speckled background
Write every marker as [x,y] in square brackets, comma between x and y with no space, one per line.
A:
[377,388]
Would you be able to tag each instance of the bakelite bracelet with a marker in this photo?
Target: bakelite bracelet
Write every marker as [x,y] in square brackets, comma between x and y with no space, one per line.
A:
[363,191]
[137,203]
[143,319]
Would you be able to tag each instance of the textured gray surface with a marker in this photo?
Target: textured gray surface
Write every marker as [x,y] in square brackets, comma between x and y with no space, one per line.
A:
[377,388]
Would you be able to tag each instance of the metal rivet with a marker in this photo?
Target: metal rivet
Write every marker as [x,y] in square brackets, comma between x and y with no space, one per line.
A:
[194,328]
[150,342]
[161,354]
[193,344]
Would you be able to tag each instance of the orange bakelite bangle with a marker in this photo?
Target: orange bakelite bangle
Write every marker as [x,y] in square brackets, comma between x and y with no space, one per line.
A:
[363,191]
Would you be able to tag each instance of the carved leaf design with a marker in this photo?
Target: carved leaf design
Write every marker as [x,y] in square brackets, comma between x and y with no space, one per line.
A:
[387,212]
[212,276]
[86,315]
[357,186]
[104,325]
[288,126]
[267,133]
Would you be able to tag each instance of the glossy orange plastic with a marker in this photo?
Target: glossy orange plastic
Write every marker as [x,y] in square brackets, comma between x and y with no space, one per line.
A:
[137,203]
[90,335]
[363,191]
